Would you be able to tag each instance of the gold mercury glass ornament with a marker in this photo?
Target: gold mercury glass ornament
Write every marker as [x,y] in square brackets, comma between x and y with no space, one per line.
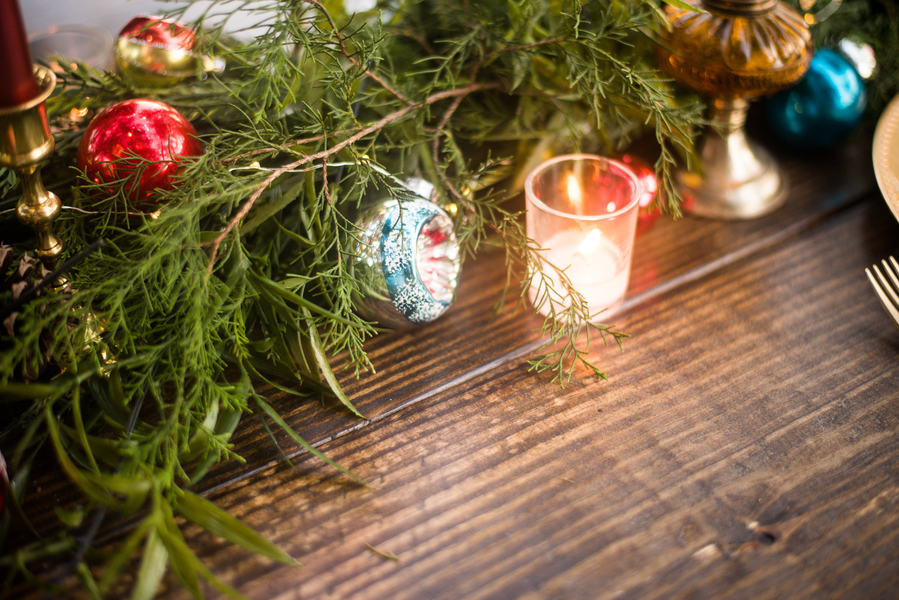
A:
[735,51]
[156,53]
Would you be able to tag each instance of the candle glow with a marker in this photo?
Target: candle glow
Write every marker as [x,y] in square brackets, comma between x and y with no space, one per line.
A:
[590,243]
[591,252]
[595,267]
[575,196]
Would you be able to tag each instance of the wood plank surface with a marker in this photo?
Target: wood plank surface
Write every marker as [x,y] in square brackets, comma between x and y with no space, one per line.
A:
[746,447]
[470,339]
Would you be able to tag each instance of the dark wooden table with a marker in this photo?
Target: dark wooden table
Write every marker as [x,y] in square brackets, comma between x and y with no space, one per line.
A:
[745,446]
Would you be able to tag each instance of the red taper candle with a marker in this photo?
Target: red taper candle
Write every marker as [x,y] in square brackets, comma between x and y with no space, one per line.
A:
[17,84]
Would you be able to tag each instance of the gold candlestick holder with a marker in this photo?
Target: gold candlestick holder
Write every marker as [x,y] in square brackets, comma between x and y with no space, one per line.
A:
[735,51]
[25,143]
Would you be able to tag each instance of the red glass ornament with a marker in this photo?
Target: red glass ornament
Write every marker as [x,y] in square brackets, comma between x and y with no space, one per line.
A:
[156,53]
[647,177]
[149,129]
[155,31]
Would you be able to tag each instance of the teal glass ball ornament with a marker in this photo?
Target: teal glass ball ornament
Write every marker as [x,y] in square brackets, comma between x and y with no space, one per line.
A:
[823,107]
[406,258]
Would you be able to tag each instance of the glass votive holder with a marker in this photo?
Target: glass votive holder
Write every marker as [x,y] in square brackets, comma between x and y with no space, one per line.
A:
[582,211]
[86,43]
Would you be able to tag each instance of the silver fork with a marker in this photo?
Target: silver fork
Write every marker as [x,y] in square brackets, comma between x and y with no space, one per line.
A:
[885,291]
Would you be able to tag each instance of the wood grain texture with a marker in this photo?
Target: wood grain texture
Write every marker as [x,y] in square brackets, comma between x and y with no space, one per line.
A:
[470,339]
[745,448]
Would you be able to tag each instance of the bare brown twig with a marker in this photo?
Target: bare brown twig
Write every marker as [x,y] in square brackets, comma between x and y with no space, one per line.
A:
[325,180]
[419,39]
[310,140]
[324,154]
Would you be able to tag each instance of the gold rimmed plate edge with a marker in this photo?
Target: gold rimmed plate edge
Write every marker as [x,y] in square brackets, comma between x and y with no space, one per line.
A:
[886,155]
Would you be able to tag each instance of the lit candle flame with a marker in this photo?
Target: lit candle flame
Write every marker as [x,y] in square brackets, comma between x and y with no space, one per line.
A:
[590,243]
[575,196]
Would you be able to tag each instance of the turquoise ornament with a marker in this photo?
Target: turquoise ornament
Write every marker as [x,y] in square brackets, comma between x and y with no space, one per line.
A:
[406,258]
[823,107]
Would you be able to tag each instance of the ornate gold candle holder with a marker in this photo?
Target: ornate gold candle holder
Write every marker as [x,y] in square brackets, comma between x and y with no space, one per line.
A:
[734,52]
[25,143]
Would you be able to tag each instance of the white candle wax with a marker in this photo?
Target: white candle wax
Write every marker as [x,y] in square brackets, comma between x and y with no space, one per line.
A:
[594,267]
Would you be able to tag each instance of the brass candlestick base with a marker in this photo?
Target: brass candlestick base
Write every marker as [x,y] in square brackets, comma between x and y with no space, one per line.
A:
[734,51]
[739,179]
[25,143]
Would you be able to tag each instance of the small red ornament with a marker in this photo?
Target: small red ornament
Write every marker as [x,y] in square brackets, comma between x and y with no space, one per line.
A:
[646,175]
[148,129]
[156,53]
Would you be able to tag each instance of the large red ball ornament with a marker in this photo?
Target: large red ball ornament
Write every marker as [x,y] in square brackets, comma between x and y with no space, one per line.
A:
[148,129]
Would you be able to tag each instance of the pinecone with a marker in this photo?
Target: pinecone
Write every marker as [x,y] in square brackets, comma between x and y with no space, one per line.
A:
[13,283]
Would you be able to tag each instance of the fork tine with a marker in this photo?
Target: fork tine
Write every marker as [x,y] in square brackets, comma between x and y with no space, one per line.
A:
[888,304]
[885,284]
[892,273]
[895,267]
